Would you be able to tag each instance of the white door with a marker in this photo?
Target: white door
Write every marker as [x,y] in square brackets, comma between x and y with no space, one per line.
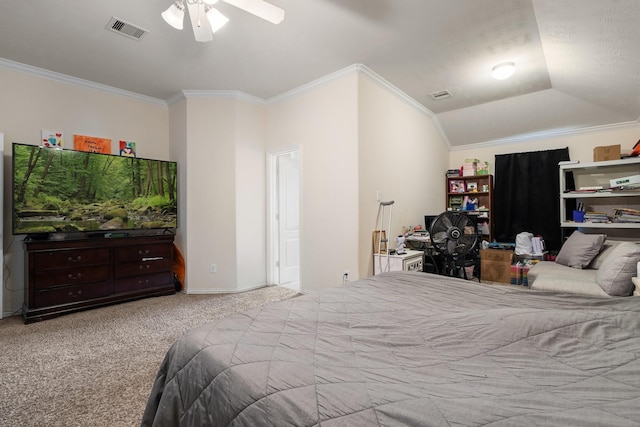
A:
[288,220]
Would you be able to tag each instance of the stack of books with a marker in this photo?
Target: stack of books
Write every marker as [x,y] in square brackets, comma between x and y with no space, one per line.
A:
[470,167]
[596,217]
[626,215]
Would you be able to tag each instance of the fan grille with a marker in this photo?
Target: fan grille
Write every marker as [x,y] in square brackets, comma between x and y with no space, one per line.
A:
[453,233]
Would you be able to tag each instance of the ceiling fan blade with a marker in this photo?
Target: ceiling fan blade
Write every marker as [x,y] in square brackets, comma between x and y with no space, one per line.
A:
[260,8]
[199,22]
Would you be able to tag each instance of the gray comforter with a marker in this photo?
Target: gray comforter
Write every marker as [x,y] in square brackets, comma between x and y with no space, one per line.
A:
[409,349]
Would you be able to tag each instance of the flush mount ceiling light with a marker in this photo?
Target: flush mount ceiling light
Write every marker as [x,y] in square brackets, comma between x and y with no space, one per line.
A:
[206,20]
[503,71]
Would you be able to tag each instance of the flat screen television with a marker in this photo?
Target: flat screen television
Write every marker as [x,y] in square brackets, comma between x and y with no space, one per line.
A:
[68,191]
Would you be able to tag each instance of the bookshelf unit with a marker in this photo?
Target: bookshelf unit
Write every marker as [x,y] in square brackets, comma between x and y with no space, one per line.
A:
[593,190]
[478,187]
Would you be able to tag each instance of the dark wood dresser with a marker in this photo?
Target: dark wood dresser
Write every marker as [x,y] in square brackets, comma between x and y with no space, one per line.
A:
[64,276]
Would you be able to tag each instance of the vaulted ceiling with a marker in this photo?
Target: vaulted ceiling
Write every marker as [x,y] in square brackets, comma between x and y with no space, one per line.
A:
[578,61]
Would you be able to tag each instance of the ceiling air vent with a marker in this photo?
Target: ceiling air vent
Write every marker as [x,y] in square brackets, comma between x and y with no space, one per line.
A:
[441,94]
[125,28]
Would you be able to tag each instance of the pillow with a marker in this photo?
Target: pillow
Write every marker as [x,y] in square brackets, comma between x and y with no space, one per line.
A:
[607,248]
[580,249]
[616,271]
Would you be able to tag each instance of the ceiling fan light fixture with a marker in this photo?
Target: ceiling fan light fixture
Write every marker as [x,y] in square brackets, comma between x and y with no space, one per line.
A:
[503,71]
[199,9]
[174,15]
[216,19]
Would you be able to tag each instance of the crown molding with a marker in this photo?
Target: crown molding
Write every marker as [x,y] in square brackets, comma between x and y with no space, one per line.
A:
[406,98]
[229,94]
[545,135]
[63,78]
[313,84]
[355,68]
[376,78]
[394,90]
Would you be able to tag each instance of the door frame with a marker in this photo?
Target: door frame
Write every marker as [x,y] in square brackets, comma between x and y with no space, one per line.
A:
[272,209]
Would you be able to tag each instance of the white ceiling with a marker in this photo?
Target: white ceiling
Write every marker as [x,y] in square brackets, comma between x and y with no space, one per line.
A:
[578,61]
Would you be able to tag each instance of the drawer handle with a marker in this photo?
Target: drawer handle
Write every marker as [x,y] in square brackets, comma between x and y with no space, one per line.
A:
[143,252]
[145,282]
[77,276]
[76,259]
[75,295]
[144,267]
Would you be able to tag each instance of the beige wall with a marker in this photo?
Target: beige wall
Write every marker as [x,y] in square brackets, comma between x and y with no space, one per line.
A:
[580,145]
[357,136]
[251,245]
[402,155]
[222,191]
[323,122]
[31,104]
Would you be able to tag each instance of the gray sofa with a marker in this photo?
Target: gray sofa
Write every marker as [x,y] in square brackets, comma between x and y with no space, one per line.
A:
[615,281]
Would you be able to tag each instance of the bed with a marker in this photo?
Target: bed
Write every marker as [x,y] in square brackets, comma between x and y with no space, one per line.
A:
[409,348]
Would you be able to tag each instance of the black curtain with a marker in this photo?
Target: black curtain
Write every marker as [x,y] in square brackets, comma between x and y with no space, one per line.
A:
[527,196]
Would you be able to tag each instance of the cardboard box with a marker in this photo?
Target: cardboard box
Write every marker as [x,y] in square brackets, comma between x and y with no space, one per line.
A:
[495,265]
[609,152]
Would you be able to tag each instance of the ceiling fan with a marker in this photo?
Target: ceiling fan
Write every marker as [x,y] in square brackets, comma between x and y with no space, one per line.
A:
[206,19]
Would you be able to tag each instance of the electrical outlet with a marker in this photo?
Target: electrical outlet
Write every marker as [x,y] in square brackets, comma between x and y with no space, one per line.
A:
[378,196]
[345,276]
[213,268]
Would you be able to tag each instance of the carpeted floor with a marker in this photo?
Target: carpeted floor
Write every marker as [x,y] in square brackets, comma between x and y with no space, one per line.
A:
[96,368]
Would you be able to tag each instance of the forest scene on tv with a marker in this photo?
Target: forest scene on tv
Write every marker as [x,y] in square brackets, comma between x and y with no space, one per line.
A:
[66,191]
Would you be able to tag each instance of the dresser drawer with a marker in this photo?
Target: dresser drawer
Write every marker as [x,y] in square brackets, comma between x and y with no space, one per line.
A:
[133,284]
[70,258]
[126,269]
[72,294]
[70,276]
[143,252]
[67,275]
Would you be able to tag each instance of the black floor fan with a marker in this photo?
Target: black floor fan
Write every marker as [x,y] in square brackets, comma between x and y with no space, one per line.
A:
[455,235]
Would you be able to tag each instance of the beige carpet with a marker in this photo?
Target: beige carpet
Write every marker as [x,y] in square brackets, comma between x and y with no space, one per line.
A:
[96,368]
